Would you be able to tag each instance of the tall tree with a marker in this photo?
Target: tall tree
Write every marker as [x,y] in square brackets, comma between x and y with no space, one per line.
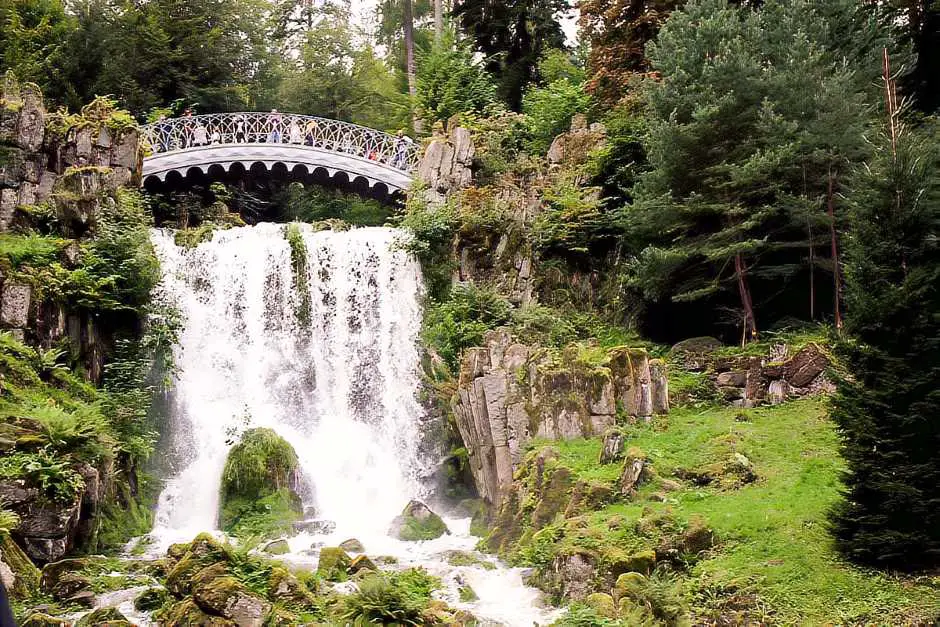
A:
[618,31]
[512,35]
[744,158]
[408,25]
[888,401]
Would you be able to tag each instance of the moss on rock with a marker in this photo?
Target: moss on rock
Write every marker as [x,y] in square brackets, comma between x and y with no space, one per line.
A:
[151,600]
[26,575]
[103,617]
[258,485]
[186,612]
[418,522]
[38,619]
[333,564]
[602,603]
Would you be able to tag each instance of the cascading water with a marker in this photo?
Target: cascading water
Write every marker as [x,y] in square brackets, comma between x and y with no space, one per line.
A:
[330,362]
[338,381]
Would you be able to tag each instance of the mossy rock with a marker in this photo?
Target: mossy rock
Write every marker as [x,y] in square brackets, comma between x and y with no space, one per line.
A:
[334,563]
[640,562]
[39,619]
[194,569]
[352,545]
[467,594]
[417,522]
[103,617]
[186,612]
[259,482]
[629,585]
[284,587]
[277,547]
[151,600]
[228,597]
[602,603]
[361,563]
[26,575]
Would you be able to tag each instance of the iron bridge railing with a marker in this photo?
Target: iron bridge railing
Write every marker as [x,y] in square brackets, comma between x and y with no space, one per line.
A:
[198,131]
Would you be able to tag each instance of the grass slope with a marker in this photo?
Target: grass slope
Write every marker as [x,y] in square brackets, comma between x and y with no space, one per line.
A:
[773,545]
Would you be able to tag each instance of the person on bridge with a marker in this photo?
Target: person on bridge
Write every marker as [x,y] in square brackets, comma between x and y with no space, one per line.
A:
[186,137]
[215,137]
[200,138]
[163,134]
[402,142]
[310,133]
[240,136]
[274,127]
[294,135]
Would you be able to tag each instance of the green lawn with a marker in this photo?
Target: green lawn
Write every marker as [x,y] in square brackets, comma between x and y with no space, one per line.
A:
[772,533]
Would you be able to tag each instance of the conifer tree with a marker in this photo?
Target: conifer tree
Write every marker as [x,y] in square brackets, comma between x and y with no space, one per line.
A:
[888,402]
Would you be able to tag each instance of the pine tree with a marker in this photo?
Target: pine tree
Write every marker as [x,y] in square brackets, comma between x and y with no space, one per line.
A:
[888,402]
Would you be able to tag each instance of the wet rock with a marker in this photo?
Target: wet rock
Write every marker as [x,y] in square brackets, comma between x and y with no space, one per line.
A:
[151,599]
[612,448]
[352,546]
[68,585]
[574,575]
[38,619]
[359,563]
[186,612]
[733,378]
[315,527]
[417,522]
[227,597]
[334,563]
[103,617]
[276,547]
[85,598]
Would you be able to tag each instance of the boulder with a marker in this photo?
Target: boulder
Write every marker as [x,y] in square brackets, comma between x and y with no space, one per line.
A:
[612,447]
[732,378]
[85,598]
[352,546]
[38,619]
[20,576]
[276,547]
[103,617]
[602,603]
[640,562]
[574,575]
[629,585]
[417,522]
[805,366]
[151,599]
[285,588]
[333,564]
[361,562]
[227,597]
[315,527]
[186,612]
[635,471]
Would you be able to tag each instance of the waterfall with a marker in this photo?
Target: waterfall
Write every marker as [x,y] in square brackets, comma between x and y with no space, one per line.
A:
[330,363]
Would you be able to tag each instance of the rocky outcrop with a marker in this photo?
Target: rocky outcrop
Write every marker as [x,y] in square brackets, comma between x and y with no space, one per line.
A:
[574,147]
[747,381]
[447,165]
[510,393]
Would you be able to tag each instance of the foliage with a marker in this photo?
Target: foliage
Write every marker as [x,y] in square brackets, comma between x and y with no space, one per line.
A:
[298,258]
[512,36]
[29,249]
[550,107]
[450,81]
[247,518]
[260,463]
[431,230]
[887,402]
[314,204]
[459,322]
[391,598]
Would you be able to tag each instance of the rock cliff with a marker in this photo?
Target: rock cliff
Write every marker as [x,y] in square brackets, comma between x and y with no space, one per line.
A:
[509,393]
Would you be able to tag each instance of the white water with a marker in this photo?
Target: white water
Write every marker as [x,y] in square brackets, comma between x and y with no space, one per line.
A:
[342,390]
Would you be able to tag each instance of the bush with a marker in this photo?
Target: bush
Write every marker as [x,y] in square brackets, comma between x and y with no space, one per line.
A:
[391,598]
[460,322]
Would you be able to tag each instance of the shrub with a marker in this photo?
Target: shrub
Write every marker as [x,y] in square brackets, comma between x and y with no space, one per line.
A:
[397,598]
[450,81]
[460,322]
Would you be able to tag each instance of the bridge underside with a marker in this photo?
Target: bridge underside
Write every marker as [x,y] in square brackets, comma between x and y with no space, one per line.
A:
[283,161]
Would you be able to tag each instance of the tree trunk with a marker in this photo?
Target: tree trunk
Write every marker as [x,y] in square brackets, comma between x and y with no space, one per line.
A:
[834,242]
[438,20]
[812,272]
[409,28]
[750,325]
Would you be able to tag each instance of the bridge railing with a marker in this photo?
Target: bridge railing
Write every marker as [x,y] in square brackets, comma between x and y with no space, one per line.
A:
[197,131]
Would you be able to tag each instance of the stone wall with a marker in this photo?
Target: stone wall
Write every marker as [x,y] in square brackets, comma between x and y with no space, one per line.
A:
[509,393]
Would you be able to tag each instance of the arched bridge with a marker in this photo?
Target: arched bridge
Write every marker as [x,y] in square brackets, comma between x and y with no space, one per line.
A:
[298,144]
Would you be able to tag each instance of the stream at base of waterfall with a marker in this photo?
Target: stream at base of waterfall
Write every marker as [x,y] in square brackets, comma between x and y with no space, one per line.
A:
[316,338]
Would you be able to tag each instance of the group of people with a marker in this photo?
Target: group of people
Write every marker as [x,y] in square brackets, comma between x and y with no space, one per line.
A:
[276,130]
